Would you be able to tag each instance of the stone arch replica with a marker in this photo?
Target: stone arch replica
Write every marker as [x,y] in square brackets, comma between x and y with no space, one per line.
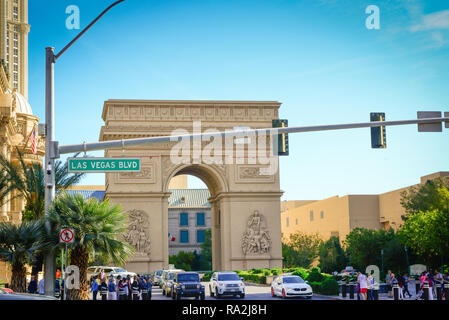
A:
[245,195]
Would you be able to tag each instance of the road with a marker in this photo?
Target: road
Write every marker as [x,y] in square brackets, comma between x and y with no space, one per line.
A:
[252,293]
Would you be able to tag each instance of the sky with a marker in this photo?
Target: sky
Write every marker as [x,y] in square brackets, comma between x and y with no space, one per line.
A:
[317,57]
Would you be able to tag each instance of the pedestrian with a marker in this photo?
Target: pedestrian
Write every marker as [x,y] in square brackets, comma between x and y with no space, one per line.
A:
[94,288]
[32,286]
[104,289]
[370,282]
[119,278]
[144,288]
[129,290]
[121,290]
[406,281]
[388,282]
[42,287]
[401,286]
[102,275]
[429,279]
[439,280]
[112,295]
[126,288]
[135,289]
[363,285]
[57,288]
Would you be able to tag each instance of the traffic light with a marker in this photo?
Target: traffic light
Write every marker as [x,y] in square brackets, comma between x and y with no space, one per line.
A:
[378,134]
[283,149]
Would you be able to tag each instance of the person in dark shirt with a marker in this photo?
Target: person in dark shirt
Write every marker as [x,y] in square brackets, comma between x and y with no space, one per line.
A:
[135,288]
[32,287]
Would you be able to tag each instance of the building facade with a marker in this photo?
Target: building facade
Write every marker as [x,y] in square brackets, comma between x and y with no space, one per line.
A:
[18,125]
[338,216]
[189,216]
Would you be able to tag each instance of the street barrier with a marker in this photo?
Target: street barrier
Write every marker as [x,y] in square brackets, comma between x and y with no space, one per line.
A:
[426,291]
[343,290]
[396,291]
[351,291]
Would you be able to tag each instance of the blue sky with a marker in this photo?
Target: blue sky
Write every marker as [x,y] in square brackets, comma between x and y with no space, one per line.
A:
[316,57]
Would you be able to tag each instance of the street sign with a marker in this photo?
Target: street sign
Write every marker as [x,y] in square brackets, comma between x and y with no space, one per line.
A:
[102,165]
[66,236]
[429,127]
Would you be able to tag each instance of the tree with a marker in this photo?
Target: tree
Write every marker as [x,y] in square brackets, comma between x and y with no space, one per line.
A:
[28,180]
[5,187]
[18,244]
[426,227]
[183,260]
[363,246]
[206,251]
[97,226]
[300,249]
[332,256]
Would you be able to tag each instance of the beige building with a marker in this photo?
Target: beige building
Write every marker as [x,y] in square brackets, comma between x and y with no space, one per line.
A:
[17,121]
[337,216]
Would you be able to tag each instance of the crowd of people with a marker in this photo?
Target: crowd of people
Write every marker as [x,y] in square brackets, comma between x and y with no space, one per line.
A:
[138,288]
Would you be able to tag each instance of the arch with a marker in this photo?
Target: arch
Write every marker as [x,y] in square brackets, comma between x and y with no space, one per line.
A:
[211,176]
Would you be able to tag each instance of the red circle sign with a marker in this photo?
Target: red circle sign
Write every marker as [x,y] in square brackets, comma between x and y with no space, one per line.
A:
[66,235]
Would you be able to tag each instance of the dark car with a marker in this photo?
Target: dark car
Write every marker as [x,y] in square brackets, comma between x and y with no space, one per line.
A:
[187,284]
[7,295]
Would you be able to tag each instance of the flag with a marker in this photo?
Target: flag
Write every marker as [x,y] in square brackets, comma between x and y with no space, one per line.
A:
[33,141]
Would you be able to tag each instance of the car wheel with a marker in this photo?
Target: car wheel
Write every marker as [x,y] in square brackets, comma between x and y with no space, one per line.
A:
[272,293]
[211,292]
[283,294]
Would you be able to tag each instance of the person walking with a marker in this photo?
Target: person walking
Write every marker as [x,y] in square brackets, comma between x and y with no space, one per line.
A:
[388,282]
[370,281]
[104,289]
[126,288]
[112,295]
[363,285]
[129,290]
[102,275]
[135,289]
[406,281]
[119,278]
[121,290]
[401,286]
[42,287]
[32,286]
[94,288]
[429,279]
[394,281]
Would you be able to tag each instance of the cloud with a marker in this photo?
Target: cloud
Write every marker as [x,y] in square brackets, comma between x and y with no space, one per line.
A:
[434,21]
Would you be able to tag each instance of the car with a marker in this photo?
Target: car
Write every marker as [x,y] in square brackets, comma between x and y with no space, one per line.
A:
[349,271]
[226,283]
[290,286]
[94,271]
[8,295]
[166,279]
[187,284]
[157,277]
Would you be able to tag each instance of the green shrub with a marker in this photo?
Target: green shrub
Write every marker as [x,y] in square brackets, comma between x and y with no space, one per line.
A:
[256,271]
[315,276]
[207,276]
[316,286]
[302,273]
[266,272]
[329,287]
[275,272]
[315,269]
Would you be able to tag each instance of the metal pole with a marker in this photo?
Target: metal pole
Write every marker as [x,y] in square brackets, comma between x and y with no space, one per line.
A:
[95,146]
[50,263]
[65,282]
[62,273]
[382,254]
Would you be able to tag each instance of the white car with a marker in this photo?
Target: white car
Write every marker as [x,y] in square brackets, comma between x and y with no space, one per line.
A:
[109,271]
[291,286]
[226,283]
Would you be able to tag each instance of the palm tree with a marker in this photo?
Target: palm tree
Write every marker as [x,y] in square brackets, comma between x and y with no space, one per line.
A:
[5,187]
[29,182]
[18,244]
[98,227]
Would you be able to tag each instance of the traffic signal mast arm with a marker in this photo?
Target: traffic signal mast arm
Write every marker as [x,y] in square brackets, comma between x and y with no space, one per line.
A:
[95,146]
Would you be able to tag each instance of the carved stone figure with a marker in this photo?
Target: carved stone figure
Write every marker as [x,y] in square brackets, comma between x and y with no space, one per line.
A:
[256,239]
[137,234]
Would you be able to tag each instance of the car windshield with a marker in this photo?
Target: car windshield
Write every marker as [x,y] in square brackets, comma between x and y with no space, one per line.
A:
[293,280]
[170,276]
[188,277]
[120,270]
[228,277]
[158,273]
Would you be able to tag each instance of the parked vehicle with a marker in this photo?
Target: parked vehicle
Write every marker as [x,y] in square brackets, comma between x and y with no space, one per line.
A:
[167,279]
[7,295]
[187,284]
[226,283]
[291,286]
[94,271]
[348,271]
[157,277]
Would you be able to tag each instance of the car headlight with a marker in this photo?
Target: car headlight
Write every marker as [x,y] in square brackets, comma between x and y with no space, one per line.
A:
[198,286]
[221,284]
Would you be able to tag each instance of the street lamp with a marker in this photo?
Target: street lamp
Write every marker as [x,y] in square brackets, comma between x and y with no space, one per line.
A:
[382,255]
[406,259]
[51,146]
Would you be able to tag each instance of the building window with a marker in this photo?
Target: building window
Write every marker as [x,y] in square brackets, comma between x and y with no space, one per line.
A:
[311,215]
[16,13]
[287,222]
[184,219]
[322,214]
[184,236]
[200,236]
[200,219]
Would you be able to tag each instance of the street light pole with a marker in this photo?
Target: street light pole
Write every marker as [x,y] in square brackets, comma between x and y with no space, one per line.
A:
[51,146]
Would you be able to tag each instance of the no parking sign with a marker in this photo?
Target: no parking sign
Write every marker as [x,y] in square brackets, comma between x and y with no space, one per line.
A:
[67,236]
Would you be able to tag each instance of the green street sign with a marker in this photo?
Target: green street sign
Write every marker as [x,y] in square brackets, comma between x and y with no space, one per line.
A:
[103,165]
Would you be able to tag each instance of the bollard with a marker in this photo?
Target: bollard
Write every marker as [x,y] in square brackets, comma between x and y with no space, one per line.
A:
[343,290]
[376,292]
[439,292]
[426,291]
[396,291]
[351,291]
